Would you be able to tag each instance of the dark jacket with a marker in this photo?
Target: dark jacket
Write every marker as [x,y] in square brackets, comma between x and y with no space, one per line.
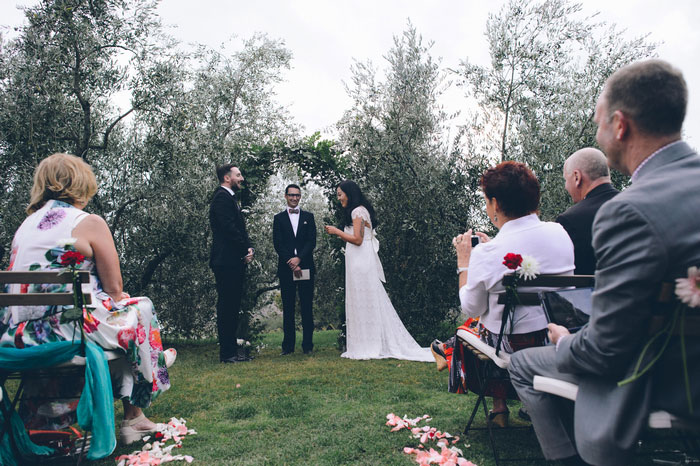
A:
[230,240]
[578,223]
[285,242]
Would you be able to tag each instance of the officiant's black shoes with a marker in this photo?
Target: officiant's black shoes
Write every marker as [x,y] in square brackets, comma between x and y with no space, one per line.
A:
[285,352]
[234,359]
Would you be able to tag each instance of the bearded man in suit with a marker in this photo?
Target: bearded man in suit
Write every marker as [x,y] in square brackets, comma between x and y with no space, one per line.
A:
[294,238]
[587,180]
[647,235]
[231,251]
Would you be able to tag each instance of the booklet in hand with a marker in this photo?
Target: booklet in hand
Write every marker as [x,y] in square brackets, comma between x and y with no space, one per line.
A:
[305,275]
[569,308]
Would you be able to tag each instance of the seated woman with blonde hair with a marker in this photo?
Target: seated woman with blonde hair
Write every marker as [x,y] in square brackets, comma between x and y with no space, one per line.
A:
[63,185]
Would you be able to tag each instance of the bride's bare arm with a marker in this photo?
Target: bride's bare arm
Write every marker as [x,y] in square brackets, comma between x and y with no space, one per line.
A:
[357,228]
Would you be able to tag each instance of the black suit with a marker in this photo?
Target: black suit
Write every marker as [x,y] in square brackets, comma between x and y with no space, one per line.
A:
[230,245]
[301,245]
[578,223]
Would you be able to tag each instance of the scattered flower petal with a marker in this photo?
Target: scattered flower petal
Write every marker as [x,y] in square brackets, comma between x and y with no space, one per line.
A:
[158,451]
[447,456]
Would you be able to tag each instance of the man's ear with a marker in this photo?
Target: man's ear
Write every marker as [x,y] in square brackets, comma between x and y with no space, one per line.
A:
[578,178]
[621,125]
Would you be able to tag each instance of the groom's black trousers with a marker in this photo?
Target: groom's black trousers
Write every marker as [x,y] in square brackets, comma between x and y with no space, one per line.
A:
[289,289]
[229,287]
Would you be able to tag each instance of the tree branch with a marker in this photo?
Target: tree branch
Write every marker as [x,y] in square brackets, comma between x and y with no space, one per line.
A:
[150,269]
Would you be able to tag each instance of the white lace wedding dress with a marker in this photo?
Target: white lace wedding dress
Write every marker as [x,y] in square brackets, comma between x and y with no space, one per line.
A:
[374,330]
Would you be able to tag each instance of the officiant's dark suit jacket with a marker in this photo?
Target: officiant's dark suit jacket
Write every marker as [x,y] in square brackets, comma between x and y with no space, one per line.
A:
[578,223]
[646,235]
[230,245]
[304,242]
[286,242]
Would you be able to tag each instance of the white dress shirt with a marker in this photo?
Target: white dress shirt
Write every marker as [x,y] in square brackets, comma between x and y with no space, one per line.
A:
[547,242]
[294,218]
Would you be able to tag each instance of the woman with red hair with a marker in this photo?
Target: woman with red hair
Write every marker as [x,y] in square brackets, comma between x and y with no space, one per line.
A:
[512,196]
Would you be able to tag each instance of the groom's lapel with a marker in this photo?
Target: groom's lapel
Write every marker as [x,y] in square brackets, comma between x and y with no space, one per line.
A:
[232,197]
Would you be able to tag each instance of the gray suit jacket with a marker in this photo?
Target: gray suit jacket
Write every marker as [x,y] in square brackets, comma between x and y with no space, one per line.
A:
[646,235]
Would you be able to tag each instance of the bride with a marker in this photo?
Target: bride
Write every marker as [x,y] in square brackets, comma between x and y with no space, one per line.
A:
[374,330]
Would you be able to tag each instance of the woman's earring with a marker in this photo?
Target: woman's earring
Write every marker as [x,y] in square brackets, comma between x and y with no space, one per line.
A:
[495,218]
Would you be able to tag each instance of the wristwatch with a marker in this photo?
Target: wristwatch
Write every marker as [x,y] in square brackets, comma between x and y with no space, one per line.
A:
[462,269]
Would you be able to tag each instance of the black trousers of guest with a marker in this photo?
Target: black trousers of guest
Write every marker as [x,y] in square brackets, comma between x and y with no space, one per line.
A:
[229,287]
[289,289]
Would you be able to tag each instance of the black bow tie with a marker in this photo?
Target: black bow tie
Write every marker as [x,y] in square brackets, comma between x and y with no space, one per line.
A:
[293,211]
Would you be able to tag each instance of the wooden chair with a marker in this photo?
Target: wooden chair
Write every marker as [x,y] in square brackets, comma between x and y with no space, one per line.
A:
[490,358]
[74,367]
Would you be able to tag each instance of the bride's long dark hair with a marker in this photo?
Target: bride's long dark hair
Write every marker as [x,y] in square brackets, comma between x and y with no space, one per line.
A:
[356,199]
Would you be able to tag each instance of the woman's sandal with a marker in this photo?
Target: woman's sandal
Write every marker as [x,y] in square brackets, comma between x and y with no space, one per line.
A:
[128,434]
[499,419]
[439,355]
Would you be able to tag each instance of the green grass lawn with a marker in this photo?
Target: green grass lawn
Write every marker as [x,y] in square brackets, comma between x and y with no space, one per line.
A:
[311,409]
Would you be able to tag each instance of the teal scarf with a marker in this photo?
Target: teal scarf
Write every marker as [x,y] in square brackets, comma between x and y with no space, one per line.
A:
[95,408]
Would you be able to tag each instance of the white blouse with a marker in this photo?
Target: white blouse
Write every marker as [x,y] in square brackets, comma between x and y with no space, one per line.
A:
[547,242]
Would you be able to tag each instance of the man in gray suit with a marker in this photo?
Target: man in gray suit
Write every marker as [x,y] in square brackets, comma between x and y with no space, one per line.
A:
[646,235]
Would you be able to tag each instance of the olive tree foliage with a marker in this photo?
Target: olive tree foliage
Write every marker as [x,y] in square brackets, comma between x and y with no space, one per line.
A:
[421,191]
[155,157]
[58,81]
[329,290]
[317,166]
[223,113]
[537,97]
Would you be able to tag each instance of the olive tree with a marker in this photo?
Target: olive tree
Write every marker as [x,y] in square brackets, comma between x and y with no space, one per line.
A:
[100,79]
[537,96]
[394,137]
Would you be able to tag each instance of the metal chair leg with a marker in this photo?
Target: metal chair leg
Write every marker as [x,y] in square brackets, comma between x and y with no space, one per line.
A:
[479,400]
[82,449]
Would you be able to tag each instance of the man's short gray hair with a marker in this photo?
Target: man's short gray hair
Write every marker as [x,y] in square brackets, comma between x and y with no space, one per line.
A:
[589,161]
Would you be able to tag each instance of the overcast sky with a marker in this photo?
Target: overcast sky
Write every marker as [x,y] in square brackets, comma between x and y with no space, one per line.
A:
[325,36]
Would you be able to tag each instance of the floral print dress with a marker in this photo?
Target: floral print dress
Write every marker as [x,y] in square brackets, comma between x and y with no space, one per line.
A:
[130,325]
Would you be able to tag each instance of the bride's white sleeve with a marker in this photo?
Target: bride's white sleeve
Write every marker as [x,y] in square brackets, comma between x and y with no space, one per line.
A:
[361,212]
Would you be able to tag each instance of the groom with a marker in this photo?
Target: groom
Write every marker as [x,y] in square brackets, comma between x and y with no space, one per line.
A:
[294,238]
[231,251]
